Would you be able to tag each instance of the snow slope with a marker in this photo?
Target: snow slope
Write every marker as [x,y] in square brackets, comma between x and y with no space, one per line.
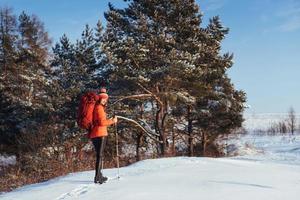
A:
[266,168]
[175,178]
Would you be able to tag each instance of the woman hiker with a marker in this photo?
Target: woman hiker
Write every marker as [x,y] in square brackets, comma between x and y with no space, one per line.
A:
[99,133]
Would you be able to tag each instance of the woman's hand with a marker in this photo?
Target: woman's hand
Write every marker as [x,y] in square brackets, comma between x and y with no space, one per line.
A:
[115,119]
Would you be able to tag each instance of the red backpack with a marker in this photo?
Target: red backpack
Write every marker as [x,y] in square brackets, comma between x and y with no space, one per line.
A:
[86,109]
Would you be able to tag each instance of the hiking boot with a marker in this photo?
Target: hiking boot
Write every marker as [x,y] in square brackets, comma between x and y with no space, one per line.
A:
[102,179]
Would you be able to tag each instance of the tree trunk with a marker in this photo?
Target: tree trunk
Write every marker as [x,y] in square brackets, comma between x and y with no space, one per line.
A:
[163,145]
[138,145]
[191,146]
[203,143]
[139,136]
[190,132]
[173,142]
[160,130]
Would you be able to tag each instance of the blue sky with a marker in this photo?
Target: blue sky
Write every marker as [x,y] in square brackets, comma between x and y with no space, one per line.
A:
[264,37]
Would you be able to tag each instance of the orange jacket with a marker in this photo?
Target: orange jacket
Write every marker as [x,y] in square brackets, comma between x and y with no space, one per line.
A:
[100,122]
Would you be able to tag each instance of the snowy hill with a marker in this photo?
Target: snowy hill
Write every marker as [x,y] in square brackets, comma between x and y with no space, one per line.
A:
[266,168]
[175,178]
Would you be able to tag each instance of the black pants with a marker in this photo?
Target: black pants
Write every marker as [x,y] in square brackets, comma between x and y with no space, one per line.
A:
[99,145]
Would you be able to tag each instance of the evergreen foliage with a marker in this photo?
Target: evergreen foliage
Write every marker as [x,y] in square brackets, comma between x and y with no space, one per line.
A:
[159,48]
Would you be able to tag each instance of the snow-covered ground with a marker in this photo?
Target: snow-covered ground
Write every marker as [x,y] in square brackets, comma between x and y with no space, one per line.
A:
[267,169]
[283,149]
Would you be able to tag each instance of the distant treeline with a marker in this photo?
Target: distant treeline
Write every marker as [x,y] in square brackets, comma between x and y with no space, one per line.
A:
[288,125]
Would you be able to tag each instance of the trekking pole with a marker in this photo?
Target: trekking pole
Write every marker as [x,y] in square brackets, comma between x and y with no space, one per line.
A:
[117,150]
[117,144]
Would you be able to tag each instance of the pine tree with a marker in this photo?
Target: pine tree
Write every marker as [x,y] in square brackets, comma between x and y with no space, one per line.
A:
[24,79]
[32,57]
[218,107]
[75,68]
[142,46]
[67,81]
[159,48]
[8,38]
